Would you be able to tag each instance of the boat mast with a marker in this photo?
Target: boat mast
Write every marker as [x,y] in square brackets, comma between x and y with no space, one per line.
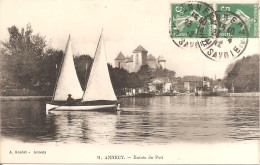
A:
[58,76]
[203,79]
[92,63]
[86,73]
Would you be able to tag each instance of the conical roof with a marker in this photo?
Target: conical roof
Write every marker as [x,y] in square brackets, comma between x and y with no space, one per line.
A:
[140,49]
[161,58]
[130,59]
[151,57]
[120,56]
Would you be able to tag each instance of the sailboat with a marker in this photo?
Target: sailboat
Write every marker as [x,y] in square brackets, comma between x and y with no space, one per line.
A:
[99,93]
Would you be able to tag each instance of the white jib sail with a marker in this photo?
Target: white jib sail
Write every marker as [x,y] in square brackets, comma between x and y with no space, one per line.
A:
[99,86]
[68,82]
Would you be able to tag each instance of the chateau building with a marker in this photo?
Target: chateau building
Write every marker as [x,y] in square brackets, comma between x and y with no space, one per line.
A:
[138,58]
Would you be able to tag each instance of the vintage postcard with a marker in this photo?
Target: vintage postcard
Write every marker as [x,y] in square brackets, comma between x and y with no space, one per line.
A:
[129,82]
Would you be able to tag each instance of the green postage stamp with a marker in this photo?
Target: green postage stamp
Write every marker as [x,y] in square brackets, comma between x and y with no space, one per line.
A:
[186,18]
[200,20]
[220,30]
[247,12]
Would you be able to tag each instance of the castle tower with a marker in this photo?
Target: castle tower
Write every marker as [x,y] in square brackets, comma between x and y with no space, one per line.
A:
[126,64]
[151,61]
[120,60]
[129,64]
[161,62]
[139,58]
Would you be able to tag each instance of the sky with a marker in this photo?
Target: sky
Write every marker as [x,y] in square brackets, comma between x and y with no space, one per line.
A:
[126,25]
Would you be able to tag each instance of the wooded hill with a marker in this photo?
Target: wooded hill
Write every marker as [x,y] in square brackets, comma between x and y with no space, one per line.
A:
[243,74]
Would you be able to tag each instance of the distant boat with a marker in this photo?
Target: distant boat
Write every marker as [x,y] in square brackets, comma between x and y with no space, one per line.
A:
[145,94]
[99,93]
[169,94]
[205,90]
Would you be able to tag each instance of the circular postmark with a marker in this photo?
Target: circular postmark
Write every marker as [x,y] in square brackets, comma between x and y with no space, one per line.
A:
[228,38]
[185,21]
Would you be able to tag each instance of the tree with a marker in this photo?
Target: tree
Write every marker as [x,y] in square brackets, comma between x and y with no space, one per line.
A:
[21,56]
[133,80]
[83,65]
[118,78]
[158,73]
[145,76]
[49,70]
[243,74]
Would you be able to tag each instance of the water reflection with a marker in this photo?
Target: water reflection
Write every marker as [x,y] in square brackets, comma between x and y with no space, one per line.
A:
[85,127]
[143,120]
[243,119]
[25,120]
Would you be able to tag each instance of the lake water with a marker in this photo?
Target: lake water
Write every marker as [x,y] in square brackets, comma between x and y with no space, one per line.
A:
[158,120]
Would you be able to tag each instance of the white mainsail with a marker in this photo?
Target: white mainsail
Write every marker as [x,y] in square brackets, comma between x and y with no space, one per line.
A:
[99,86]
[68,82]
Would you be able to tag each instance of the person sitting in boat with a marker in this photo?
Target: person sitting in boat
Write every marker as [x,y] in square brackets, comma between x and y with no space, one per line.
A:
[70,100]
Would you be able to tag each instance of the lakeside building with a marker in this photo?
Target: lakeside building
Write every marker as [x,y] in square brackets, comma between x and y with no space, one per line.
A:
[160,86]
[138,58]
[186,84]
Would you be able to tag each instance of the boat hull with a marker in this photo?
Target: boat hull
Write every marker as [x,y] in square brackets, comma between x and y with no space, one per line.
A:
[145,95]
[53,107]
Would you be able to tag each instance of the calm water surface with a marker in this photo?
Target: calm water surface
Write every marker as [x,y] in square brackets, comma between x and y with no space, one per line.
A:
[155,120]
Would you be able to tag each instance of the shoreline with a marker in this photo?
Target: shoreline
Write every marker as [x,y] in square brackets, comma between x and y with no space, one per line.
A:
[253,94]
[24,98]
[34,98]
